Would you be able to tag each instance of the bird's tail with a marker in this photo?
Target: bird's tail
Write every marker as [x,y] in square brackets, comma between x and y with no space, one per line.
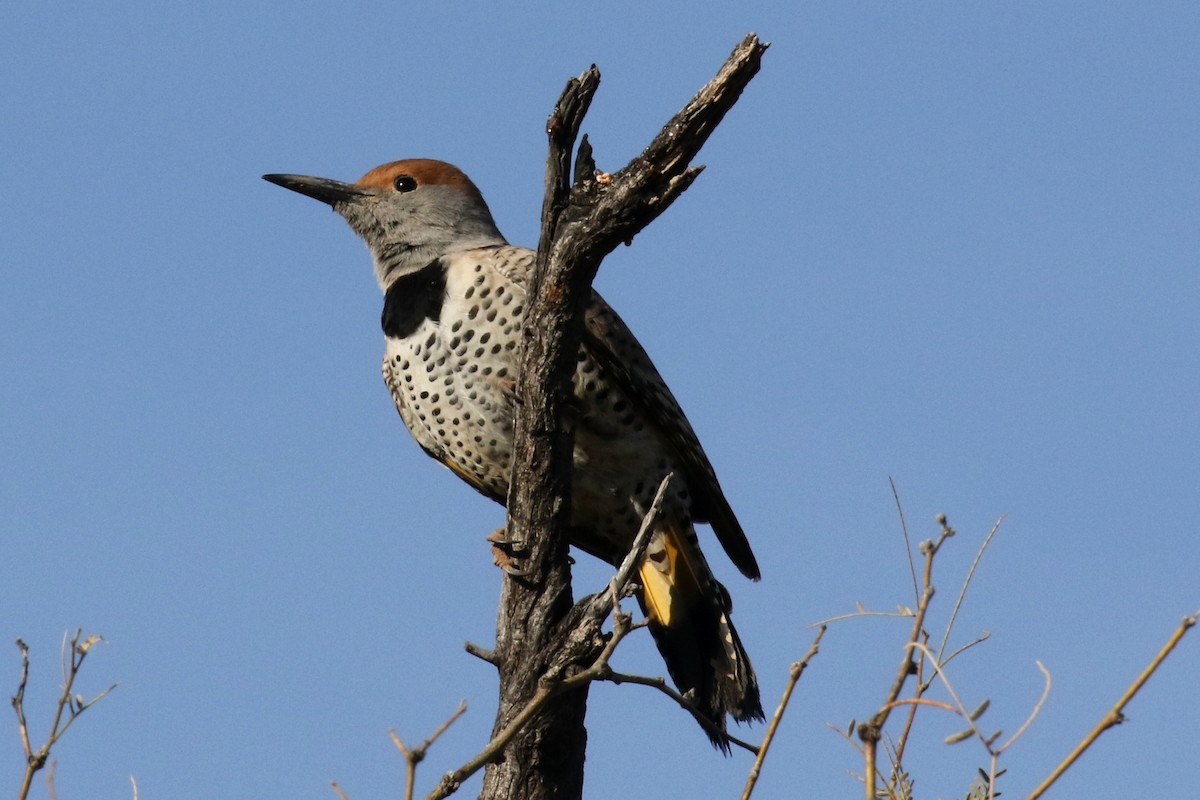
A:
[688,612]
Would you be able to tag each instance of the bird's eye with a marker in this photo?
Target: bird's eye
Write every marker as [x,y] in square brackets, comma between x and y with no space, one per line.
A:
[404,183]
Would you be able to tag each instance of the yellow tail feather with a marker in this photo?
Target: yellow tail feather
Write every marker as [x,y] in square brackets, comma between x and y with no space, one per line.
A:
[668,577]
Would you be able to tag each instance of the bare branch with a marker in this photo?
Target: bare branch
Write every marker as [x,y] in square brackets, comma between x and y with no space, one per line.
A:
[661,685]
[959,707]
[633,559]
[580,225]
[415,755]
[902,742]
[794,673]
[904,613]
[587,617]
[983,637]
[481,653]
[18,702]
[1115,715]
[451,781]
[1037,709]
[871,731]
[912,568]
[924,701]
[69,703]
[966,583]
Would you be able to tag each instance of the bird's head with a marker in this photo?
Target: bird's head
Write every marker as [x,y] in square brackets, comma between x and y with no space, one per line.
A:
[408,212]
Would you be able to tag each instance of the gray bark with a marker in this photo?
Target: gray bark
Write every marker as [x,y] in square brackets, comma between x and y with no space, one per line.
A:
[540,635]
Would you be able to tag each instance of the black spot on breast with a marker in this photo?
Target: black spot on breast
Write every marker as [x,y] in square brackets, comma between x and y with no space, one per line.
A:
[414,298]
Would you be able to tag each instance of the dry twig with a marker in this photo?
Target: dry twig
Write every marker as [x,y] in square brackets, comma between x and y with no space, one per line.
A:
[589,615]
[989,742]
[1115,715]
[415,755]
[912,567]
[69,704]
[687,705]
[794,673]
[962,593]
[871,731]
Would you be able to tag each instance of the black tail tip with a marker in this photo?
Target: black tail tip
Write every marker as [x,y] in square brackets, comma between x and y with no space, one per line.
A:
[747,708]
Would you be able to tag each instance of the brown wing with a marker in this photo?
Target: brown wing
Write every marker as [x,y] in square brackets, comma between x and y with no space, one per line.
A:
[613,346]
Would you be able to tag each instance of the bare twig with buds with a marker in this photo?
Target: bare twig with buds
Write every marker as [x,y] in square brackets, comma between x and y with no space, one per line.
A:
[871,731]
[70,706]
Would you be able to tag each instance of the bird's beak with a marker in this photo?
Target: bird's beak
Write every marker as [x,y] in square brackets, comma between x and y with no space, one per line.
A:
[323,189]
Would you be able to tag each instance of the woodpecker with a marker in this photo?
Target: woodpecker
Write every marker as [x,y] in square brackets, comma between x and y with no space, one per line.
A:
[454,303]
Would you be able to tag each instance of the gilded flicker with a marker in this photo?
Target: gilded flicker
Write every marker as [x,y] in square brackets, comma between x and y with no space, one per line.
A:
[454,302]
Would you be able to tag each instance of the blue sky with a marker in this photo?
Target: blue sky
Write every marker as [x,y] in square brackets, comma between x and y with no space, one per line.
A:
[956,245]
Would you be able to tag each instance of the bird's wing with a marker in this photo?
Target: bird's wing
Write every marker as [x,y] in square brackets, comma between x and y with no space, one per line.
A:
[609,341]
[616,350]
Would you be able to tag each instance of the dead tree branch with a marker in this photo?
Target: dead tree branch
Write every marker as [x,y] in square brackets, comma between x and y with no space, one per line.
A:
[794,673]
[415,755]
[871,731]
[68,708]
[1116,715]
[582,659]
[581,224]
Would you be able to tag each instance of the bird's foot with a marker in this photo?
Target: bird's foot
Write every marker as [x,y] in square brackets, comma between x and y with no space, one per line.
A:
[505,551]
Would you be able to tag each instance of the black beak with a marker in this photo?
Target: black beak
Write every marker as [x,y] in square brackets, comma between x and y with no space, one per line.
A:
[323,189]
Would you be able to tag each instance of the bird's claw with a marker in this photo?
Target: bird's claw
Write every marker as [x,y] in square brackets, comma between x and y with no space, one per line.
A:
[499,538]
[504,553]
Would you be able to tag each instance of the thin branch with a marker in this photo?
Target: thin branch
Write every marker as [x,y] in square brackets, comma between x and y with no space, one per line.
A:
[633,559]
[980,640]
[68,703]
[589,614]
[482,653]
[1037,709]
[922,684]
[415,755]
[971,716]
[966,583]
[794,673]
[18,703]
[871,731]
[450,782]
[1115,715]
[547,691]
[924,701]
[903,612]
[922,687]
[661,685]
[912,567]
[958,704]
[907,666]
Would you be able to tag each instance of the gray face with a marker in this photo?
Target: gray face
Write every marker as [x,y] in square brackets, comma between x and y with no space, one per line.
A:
[409,213]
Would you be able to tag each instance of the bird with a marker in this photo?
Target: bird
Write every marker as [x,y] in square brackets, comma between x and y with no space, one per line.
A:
[455,296]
